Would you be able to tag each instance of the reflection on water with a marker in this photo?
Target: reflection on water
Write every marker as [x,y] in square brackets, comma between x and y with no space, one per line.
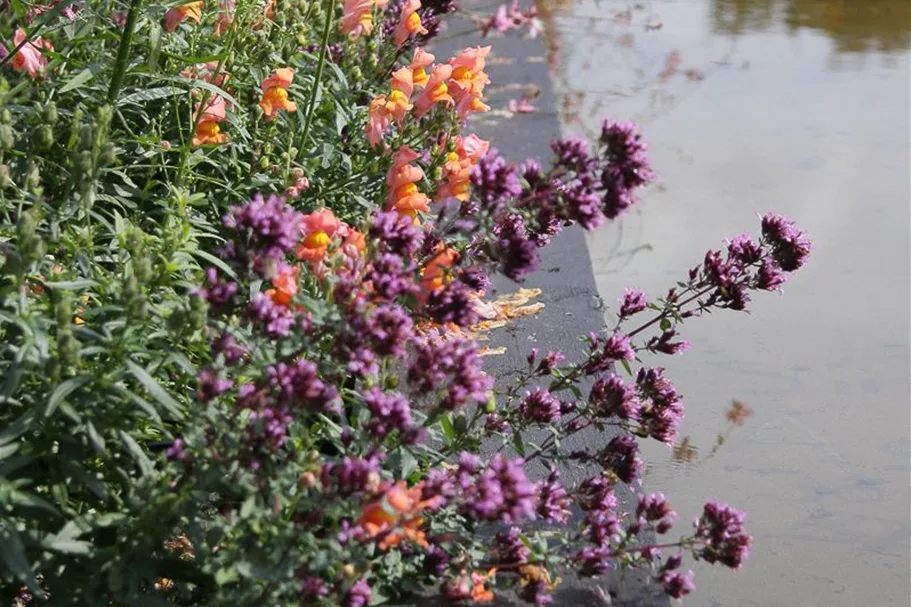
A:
[744,113]
[854,26]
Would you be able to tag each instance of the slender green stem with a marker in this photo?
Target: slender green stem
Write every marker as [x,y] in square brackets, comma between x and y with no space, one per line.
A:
[123,53]
[330,20]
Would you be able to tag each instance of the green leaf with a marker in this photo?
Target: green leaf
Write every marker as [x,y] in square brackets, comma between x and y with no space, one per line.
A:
[72,285]
[13,556]
[63,390]
[225,576]
[17,428]
[7,450]
[27,500]
[66,546]
[150,94]
[155,389]
[215,261]
[665,324]
[518,443]
[448,429]
[96,439]
[142,460]
[79,79]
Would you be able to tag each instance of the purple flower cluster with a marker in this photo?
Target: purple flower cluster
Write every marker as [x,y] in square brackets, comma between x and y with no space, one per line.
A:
[275,319]
[509,548]
[500,492]
[211,385]
[453,303]
[351,476]
[359,595]
[217,292]
[626,167]
[298,385]
[494,180]
[665,344]
[389,412]
[572,154]
[515,251]
[596,497]
[611,397]
[632,302]
[553,501]
[391,275]
[452,364]
[267,230]
[621,456]
[790,247]
[725,541]
[225,345]
[313,589]
[540,406]
[676,584]
[662,408]
[269,420]
[396,234]
[604,353]
[654,510]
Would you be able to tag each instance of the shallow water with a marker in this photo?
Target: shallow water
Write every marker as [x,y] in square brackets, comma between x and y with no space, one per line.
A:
[802,108]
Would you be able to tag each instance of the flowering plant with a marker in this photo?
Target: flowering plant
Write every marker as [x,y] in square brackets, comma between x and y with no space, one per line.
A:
[246,248]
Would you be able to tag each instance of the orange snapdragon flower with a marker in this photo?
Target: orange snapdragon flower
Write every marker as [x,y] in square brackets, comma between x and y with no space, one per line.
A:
[175,16]
[275,93]
[386,108]
[357,17]
[419,64]
[29,58]
[409,22]
[207,130]
[472,587]
[285,285]
[396,516]
[437,273]
[404,196]
[318,229]
[435,91]
[469,79]
[458,165]
[225,17]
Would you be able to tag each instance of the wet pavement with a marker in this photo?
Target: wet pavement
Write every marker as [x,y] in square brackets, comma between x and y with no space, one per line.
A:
[803,108]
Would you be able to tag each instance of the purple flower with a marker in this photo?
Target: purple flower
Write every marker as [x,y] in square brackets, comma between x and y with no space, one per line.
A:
[312,589]
[663,344]
[501,492]
[389,412]
[494,424]
[621,456]
[602,356]
[536,592]
[550,362]
[593,561]
[572,154]
[509,548]
[391,275]
[654,508]
[677,585]
[453,303]
[475,278]
[553,501]
[298,385]
[632,302]
[583,205]
[276,320]
[770,277]
[610,397]
[175,452]
[743,250]
[396,234]
[515,252]
[358,595]
[597,493]
[436,561]
[662,408]
[218,292]
[452,364]
[540,406]
[211,385]
[268,420]
[267,230]
[602,526]
[626,166]
[725,541]
[389,328]
[438,487]
[230,350]
[494,179]
[351,475]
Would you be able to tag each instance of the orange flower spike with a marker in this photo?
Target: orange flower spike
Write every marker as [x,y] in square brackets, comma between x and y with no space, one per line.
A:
[175,16]
[318,230]
[436,272]
[378,120]
[409,22]
[208,133]
[275,93]
[422,60]
[398,102]
[357,18]
[285,283]
[479,592]
[436,90]
[29,58]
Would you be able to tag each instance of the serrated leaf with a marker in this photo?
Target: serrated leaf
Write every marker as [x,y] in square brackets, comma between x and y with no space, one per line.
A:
[142,460]
[62,391]
[158,393]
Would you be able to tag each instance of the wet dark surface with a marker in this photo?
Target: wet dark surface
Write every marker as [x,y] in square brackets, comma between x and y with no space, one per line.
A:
[804,108]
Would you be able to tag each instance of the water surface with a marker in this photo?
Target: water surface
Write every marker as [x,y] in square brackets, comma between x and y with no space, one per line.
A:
[802,108]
